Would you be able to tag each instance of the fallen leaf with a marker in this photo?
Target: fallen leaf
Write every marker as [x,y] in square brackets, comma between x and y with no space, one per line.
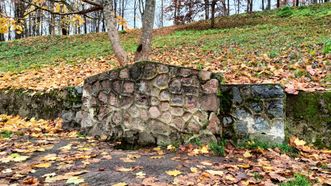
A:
[123,169]
[247,154]
[75,180]
[277,177]
[42,165]
[213,172]
[173,173]
[140,174]
[194,169]
[120,184]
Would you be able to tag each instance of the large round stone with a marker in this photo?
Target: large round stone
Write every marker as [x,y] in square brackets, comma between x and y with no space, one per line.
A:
[175,87]
[177,111]
[210,102]
[134,111]
[149,71]
[177,100]
[214,124]
[124,73]
[161,81]
[268,91]
[193,126]
[164,96]
[154,112]
[166,117]
[128,87]
[204,75]
[261,125]
[211,86]
[162,69]
[275,108]
[117,117]
[179,123]
[103,97]
[164,106]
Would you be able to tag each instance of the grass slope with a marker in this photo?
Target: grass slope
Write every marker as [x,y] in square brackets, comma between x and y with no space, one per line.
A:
[251,46]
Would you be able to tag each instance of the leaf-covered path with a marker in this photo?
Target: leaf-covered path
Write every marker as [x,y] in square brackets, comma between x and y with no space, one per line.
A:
[38,152]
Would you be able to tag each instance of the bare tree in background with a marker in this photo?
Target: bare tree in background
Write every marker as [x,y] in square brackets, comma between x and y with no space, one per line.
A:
[145,42]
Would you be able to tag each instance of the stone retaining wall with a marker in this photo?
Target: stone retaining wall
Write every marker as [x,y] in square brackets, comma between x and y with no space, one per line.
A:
[142,104]
[65,103]
[152,103]
[253,111]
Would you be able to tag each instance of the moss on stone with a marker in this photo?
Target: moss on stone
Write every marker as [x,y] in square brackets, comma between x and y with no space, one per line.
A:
[311,107]
[226,101]
[309,117]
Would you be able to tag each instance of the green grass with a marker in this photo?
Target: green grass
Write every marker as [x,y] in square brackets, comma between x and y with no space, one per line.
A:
[217,148]
[6,134]
[255,144]
[305,31]
[298,180]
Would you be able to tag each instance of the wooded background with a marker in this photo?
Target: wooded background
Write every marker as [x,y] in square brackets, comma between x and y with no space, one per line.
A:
[46,20]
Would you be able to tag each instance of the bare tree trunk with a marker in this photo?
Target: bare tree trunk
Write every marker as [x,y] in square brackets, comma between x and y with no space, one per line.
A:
[135,14]
[19,13]
[176,12]
[113,35]
[145,43]
[213,6]
[122,12]
[103,23]
[2,36]
[269,5]
[228,7]
[162,13]
[206,9]
[262,5]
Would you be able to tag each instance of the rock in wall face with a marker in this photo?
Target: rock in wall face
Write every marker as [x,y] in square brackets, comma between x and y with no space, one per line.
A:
[152,103]
[254,111]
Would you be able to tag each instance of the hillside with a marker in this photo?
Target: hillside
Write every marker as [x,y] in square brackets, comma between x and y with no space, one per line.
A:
[287,46]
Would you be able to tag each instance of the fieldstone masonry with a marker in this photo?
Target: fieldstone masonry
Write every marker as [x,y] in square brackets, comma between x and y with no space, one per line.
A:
[148,103]
[255,111]
[152,103]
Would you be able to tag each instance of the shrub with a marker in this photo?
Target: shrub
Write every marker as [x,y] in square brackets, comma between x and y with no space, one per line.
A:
[327,47]
[299,180]
[285,12]
[217,148]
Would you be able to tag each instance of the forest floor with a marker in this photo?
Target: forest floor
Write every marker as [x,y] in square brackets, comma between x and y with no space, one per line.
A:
[287,46]
[39,152]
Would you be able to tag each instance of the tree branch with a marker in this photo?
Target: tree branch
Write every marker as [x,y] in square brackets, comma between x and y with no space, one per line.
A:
[79,12]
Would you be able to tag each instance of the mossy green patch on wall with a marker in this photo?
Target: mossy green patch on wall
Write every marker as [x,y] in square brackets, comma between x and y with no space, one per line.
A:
[309,117]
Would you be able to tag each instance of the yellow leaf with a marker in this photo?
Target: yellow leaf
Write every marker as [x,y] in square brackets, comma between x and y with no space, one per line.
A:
[204,150]
[173,173]
[194,169]
[120,184]
[49,157]
[66,148]
[245,166]
[171,148]
[42,165]
[213,172]
[156,157]
[326,151]
[230,177]
[247,154]
[123,169]
[299,142]
[75,180]
[140,174]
